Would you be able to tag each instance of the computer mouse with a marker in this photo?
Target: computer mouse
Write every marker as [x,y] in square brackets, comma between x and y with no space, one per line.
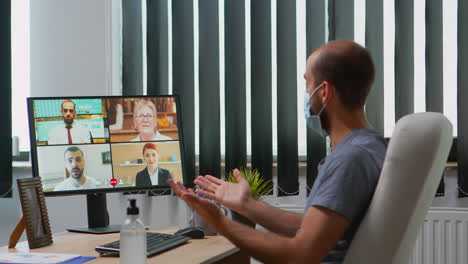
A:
[192,232]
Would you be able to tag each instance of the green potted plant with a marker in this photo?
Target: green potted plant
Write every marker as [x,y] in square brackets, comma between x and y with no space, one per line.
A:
[259,187]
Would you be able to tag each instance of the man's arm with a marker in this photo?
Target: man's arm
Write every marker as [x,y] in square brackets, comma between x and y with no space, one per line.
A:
[319,233]
[236,196]
[273,219]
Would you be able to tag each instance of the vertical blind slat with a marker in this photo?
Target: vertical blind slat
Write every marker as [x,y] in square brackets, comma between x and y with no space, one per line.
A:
[434,63]
[183,80]
[157,39]
[235,84]
[315,25]
[315,37]
[132,56]
[331,19]
[374,42]
[344,19]
[210,145]
[288,174]
[434,57]
[6,178]
[404,58]
[462,96]
[261,111]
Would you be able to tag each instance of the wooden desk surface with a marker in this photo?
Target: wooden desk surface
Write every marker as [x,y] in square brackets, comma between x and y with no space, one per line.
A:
[211,249]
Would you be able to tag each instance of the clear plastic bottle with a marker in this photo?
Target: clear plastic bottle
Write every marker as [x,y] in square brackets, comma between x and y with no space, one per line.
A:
[132,237]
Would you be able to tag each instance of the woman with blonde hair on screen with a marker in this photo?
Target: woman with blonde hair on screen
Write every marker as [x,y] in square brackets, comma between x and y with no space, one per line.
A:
[152,174]
[145,122]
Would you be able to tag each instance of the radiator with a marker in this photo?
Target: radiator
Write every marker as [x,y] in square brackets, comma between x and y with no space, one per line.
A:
[443,238]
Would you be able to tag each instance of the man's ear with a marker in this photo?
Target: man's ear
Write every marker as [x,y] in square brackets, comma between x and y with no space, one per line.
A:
[327,92]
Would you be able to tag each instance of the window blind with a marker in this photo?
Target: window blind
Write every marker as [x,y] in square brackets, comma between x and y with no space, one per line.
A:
[6,178]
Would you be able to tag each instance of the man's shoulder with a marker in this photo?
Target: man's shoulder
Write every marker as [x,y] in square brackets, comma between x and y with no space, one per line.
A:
[56,128]
[62,186]
[369,140]
[365,147]
[78,126]
[351,153]
[355,158]
[90,181]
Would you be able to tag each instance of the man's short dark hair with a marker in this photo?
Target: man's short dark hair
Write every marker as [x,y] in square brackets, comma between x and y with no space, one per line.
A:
[73,149]
[65,101]
[349,67]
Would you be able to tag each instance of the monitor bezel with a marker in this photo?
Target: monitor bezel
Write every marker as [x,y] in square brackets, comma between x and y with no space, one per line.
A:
[32,137]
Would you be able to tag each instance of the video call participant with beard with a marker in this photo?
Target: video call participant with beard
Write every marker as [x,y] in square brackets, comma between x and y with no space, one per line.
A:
[69,132]
[74,165]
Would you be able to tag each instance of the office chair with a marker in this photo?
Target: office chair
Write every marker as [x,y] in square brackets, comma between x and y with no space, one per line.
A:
[415,160]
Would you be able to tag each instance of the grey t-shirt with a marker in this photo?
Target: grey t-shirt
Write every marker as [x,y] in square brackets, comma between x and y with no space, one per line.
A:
[346,181]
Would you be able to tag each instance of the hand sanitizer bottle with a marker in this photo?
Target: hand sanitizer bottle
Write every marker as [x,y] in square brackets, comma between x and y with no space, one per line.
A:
[133,237]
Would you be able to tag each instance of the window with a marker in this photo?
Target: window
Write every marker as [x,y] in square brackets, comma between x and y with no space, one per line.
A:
[450,61]
[450,57]
[20,70]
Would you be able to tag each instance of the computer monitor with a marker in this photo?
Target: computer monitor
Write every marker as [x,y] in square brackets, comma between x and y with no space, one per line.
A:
[96,145]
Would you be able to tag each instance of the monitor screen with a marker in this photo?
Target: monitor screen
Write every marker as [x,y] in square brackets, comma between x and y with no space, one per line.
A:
[105,144]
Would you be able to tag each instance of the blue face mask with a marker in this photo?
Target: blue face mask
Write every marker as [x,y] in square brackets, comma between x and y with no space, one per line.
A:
[314,121]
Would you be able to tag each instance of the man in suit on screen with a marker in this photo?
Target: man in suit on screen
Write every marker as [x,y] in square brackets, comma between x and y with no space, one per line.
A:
[69,132]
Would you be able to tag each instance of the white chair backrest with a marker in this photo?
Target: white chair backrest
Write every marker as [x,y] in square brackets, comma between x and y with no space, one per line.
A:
[414,163]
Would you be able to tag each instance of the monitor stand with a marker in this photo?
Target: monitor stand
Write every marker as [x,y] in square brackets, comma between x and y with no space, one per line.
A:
[98,217]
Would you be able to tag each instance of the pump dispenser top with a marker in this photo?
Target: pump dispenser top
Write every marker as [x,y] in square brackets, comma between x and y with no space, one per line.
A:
[133,209]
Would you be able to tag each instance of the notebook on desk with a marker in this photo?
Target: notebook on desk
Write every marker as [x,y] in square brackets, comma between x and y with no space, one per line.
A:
[42,258]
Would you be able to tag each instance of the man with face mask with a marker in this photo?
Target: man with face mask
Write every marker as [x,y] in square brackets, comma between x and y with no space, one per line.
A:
[74,167]
[69,132]
[339,76]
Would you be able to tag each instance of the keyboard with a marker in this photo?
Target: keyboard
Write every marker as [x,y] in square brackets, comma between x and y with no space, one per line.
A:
[155,243]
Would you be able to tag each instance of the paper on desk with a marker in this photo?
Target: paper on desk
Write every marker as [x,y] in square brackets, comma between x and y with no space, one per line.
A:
[79,260]
[36,258]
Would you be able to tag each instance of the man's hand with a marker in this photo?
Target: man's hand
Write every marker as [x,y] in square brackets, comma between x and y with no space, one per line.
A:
[232,195]
[206,209]
[179,188]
